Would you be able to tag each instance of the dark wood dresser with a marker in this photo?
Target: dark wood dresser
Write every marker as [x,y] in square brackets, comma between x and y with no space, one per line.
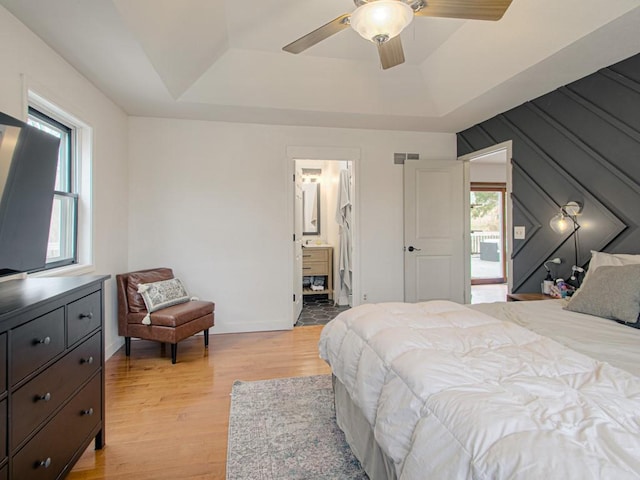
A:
[51,374]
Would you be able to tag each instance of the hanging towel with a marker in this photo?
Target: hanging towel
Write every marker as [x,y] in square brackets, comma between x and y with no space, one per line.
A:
[343,218]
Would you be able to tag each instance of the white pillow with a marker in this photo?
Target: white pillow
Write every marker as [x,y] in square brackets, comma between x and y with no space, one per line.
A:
[602,259]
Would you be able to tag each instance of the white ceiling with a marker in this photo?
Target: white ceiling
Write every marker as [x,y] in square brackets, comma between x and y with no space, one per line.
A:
[223,59]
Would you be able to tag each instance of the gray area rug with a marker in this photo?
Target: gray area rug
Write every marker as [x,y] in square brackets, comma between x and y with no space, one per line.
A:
[286,429]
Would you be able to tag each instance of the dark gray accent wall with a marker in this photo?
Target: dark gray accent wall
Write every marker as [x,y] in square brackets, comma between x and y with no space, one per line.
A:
[580,142]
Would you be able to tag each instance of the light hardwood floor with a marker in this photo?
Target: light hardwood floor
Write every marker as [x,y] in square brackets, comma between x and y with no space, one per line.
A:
[489,293]
[167,421]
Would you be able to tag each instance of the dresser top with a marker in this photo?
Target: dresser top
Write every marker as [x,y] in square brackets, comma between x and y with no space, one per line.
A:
[16,295]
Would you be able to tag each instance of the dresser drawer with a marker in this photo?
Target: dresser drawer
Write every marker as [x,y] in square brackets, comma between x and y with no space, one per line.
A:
[48,453]
[315,255]
[35,343]
[42,395]
[83,317]
[3,363]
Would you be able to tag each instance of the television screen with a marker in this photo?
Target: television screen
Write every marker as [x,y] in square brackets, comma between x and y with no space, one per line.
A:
[28,164]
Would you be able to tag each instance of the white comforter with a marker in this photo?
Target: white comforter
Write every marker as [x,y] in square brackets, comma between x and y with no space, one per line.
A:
[452,393]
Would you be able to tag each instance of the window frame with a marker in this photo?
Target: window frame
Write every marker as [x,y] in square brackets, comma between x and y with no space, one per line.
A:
[77,144]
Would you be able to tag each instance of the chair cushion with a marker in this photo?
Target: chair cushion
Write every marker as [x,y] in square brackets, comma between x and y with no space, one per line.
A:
[135,300]
[176,315]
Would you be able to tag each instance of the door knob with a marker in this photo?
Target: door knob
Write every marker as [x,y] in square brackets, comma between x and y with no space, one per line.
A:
[412,248]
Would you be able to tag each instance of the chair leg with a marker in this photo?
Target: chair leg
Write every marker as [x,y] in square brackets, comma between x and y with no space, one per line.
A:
[206,338]
[127,346]
[174,352]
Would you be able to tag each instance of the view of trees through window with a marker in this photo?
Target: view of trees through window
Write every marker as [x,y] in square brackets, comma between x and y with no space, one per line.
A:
[485,211]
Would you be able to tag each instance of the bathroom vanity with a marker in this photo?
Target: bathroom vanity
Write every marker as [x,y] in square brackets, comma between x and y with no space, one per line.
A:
[318,261]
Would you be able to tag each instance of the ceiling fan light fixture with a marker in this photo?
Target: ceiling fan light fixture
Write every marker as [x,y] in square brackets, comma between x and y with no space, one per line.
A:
[381,20]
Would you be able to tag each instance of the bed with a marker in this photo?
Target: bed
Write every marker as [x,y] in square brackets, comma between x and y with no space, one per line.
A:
[519,390]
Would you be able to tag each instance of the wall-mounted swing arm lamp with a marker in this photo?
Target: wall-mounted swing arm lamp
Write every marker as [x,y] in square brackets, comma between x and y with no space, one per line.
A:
[575,271]
[562,222]
[566,218]
[548,281]
[556,260]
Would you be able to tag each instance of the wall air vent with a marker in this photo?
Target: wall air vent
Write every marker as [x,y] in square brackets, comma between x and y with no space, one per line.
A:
[400,158]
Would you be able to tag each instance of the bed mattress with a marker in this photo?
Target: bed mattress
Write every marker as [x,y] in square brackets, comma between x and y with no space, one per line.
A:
[600,338]
[451,392]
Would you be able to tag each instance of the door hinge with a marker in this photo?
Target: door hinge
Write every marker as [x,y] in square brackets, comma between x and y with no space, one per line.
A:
[294,297]
[294,237]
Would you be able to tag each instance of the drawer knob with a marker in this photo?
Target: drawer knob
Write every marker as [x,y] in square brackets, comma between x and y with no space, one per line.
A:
[87,315]
[43,341]
[88,412]
[46,397]
[45,463]
[88,360]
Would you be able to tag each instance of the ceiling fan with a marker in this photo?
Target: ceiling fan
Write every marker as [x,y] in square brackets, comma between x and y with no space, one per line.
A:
[381,21]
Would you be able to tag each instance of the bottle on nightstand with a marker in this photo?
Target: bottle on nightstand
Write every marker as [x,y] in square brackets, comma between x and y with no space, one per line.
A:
[547,284]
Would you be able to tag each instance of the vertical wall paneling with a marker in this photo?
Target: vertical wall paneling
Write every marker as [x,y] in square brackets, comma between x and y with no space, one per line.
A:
[580,142]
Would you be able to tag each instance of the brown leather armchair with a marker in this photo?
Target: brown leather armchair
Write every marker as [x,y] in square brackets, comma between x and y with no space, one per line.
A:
[168,325]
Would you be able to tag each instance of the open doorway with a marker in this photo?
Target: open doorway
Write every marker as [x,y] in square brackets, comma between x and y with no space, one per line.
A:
[488,239]
[325,209]
[489,224]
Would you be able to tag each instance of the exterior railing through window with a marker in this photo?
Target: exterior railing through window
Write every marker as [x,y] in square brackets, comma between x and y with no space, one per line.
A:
[478,237]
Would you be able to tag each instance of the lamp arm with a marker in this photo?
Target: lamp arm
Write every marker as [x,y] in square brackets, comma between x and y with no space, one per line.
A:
[576,226]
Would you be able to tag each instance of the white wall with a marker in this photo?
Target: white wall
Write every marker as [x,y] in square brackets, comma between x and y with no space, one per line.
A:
[27,63]
[212,200]
[488,172]
[331,182]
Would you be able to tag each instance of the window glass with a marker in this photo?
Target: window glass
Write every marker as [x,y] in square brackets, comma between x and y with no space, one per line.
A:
[61,249]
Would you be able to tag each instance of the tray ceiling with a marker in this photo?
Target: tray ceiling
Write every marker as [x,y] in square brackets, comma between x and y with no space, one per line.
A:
[223,59]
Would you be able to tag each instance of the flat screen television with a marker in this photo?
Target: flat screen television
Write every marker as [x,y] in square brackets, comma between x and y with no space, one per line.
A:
[28,165]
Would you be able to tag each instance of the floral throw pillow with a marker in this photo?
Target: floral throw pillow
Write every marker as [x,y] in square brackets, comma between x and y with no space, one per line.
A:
[163,294]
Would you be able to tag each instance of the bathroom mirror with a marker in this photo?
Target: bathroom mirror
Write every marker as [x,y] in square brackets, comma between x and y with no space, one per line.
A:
[311,208]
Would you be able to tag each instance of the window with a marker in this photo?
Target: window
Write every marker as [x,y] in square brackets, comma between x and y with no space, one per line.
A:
[63,232]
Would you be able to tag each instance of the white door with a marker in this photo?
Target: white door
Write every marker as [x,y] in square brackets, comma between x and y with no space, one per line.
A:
[434,215]
[297,244]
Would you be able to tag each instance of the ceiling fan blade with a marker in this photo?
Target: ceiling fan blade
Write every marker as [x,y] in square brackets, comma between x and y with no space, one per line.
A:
[310,39]
[391,53]
[467,9]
